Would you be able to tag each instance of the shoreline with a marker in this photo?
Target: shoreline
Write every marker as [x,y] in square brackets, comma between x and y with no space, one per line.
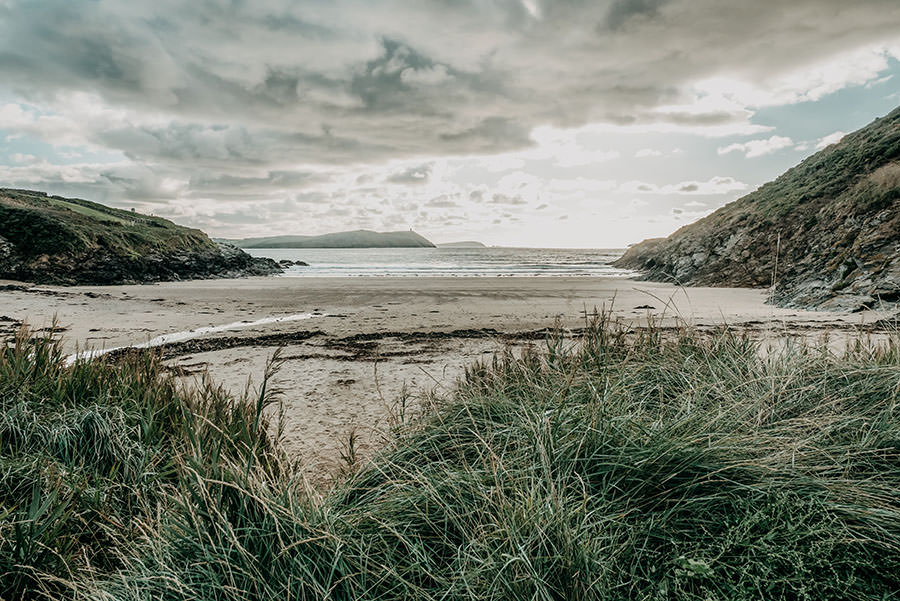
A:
[371,342]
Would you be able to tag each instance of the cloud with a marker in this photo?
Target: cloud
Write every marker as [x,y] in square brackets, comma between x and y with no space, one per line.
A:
[579,185]
[251,185]
[623,11]
[758,148]
[328,108]
[429,76]
[415,175]
[647,152]
[97,181]
[442,202]
[713,186]
[21,158]
[503,199]
[338,84]
[830,139]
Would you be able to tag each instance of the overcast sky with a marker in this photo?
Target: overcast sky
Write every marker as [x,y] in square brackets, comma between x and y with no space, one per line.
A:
[582,123]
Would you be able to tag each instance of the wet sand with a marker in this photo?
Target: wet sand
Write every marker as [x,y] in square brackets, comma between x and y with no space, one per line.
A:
[354,348]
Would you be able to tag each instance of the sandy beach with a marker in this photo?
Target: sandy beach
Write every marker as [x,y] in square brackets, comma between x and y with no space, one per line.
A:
[354,347]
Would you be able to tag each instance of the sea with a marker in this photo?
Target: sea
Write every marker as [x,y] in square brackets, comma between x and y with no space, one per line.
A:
[447,262]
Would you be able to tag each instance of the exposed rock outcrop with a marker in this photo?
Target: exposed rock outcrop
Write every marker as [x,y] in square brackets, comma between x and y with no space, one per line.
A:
[826,233]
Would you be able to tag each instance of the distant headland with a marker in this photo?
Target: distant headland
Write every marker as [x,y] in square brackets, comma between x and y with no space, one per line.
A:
[354,239]
[463,244]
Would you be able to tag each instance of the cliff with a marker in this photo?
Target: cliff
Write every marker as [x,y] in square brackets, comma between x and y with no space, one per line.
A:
[55,240]
[826,232]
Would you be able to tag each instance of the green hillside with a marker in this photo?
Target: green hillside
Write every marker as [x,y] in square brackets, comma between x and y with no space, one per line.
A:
[52,239]
[827,232]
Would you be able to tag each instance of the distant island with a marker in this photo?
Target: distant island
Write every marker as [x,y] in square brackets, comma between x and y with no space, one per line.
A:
[463,244]
[354,239]
[55,240]
[824,235]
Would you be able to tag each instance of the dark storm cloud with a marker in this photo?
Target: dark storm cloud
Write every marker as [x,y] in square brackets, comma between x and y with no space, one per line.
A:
[622,11]
[272,85]
[380,83]
[54,46]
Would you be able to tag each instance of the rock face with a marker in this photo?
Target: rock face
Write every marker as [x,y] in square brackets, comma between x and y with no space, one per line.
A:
[54,240]
[826,233]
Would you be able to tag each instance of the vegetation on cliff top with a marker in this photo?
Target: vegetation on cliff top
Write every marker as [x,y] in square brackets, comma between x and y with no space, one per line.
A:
[629,466]
[66,240]
[38,224]
[827,231]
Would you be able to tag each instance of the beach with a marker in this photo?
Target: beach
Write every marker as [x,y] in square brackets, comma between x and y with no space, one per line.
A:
[361,353]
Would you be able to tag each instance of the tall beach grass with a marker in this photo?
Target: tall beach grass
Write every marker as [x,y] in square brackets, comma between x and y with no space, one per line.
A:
[624,465]
[92,454]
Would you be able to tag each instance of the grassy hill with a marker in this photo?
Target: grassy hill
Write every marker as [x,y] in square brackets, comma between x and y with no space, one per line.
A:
[827,231]
[67,240]
[354,239]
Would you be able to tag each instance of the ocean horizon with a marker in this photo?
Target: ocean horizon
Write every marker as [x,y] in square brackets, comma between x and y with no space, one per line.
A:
[447,262]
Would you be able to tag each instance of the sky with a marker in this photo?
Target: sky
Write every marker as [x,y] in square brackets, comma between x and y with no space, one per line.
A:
[558,123]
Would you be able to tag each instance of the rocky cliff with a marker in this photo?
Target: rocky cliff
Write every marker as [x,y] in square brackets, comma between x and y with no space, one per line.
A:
[826,233]
[49,239]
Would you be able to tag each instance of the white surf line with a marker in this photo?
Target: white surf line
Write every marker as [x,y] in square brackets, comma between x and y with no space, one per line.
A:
[188,334]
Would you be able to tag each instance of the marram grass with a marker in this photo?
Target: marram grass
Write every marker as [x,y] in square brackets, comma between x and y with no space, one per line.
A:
[93,454]
[626,466]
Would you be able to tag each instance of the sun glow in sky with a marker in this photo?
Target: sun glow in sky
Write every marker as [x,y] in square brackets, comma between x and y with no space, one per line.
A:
[515,122]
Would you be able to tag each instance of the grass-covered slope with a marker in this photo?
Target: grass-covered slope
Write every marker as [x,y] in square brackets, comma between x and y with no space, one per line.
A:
[832,223]
[630,467]
[91,453]
[354,239]
[66,240]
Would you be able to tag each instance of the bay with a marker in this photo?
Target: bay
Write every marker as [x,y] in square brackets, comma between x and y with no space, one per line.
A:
[447,262]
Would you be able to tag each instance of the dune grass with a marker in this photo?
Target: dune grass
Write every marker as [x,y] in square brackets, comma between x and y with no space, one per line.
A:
[628,465]
[91,454]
